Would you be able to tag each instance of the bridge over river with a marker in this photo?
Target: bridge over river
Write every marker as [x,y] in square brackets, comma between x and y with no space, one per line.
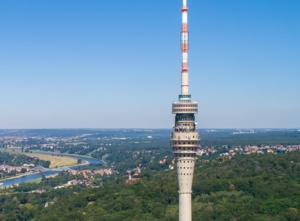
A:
[40,171]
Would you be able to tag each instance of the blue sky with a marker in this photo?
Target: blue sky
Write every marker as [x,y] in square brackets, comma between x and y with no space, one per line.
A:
[116,64]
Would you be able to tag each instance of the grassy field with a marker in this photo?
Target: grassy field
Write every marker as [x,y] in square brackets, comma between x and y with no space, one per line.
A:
[104,157]
[37,181]
[56,161]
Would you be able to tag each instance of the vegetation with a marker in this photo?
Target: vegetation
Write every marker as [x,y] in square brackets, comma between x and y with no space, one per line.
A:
[128,154]
[125,149]
[260,137]
[13,159]
[47,183]
[246,187]
[17,160]
[55,161]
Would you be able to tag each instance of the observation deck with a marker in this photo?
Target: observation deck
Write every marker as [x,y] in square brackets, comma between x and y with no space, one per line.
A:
[184,105]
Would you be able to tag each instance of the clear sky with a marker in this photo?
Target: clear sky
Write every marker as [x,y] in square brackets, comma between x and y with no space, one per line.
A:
[116,63]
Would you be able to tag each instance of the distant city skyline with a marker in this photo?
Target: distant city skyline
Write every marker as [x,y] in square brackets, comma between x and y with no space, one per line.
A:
[116,64]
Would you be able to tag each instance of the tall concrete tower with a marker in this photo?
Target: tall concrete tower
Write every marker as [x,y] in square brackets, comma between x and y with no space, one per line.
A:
[185,138]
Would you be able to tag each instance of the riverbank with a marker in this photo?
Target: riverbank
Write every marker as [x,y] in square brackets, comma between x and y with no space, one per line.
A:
[34,176]
[30,173]
[18,176]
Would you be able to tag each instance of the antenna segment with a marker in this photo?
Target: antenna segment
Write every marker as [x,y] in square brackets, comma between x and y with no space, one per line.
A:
[184,50]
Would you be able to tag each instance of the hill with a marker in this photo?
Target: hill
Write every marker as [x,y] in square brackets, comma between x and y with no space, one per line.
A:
[246,187]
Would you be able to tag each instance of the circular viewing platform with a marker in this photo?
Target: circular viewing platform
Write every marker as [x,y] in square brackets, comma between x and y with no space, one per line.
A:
[185,107]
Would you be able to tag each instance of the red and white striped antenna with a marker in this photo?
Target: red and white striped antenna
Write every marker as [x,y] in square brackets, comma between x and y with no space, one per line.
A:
[184,50]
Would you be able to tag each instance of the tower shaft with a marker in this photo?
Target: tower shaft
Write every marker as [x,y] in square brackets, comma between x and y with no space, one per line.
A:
[185,137]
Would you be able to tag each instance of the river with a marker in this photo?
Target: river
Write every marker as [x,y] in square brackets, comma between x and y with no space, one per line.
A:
[34,176]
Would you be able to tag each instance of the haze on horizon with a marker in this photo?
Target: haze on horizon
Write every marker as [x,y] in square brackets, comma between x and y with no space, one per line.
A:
[116,64]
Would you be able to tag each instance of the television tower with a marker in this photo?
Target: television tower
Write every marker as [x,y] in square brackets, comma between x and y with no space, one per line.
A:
[185,138]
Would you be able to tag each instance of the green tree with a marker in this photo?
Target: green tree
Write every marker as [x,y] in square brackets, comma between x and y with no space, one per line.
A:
[23,170]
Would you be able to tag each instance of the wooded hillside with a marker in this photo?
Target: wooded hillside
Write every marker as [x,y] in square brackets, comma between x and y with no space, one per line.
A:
[246,187]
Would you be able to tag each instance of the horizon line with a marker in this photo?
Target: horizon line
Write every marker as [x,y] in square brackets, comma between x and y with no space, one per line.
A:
[149,128]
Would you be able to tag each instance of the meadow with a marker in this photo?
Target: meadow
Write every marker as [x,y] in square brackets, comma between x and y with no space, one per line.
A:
[56,161]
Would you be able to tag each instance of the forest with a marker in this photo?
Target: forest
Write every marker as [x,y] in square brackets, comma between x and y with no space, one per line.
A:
[246,187]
